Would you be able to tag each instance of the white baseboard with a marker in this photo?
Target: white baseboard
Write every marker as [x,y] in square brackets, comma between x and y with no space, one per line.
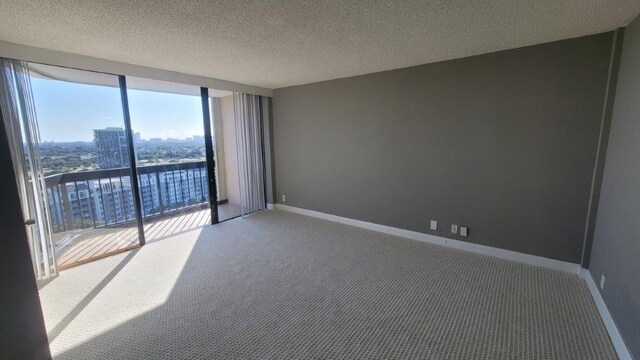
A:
[269,206]
[438,240]
[612,329]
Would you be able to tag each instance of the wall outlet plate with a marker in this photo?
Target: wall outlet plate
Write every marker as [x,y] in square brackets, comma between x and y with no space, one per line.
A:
[284,198]
[463,231]
[454,229]
[602,280]
[434,225]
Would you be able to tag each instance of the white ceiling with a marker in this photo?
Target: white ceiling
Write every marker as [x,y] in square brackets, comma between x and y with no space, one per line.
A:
[275,44]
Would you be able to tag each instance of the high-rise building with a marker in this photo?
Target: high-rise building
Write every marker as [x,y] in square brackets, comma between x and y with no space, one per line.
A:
[112,147]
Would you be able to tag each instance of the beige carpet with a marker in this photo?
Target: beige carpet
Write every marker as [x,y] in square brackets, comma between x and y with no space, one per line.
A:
[280,285]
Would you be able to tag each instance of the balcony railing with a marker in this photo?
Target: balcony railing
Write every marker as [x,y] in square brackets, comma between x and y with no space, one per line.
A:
[104,198]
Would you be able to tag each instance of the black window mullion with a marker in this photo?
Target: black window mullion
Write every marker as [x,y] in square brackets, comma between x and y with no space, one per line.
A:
[132,158]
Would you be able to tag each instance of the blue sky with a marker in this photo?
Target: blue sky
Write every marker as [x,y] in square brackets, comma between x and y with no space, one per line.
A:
[70,111]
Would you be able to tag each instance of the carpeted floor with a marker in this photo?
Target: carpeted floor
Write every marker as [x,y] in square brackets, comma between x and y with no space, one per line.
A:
[280,285]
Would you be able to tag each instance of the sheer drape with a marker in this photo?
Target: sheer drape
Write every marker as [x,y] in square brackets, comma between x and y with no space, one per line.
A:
[19,116]
[248,119]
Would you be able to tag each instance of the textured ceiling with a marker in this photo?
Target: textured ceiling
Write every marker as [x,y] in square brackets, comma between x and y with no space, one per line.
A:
[275,44]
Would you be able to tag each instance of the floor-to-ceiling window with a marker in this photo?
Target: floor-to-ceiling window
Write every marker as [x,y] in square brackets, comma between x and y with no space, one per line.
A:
[169,143]
[96,130]
[85,160]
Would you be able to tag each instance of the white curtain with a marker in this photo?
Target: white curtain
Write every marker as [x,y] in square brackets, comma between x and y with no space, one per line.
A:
[248,119]
[19,116]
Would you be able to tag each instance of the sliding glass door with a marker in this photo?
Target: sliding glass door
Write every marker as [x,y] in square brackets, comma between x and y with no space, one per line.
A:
[169,142]
[84,158]
[111,161]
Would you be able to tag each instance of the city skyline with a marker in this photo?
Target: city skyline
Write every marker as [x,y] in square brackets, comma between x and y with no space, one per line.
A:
[168,139]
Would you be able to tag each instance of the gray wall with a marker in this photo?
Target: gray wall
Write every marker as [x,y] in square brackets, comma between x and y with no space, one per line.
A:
[616,247]
[504,143]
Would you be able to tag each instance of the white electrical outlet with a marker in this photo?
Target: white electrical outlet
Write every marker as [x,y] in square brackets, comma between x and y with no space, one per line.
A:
[602,280]
[284,198]
[434,225]
[454,229]
[463,231]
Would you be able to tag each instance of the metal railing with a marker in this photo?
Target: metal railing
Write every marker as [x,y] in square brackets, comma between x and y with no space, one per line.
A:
[103,198]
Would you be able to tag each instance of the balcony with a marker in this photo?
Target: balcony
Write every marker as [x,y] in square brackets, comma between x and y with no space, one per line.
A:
[93,214]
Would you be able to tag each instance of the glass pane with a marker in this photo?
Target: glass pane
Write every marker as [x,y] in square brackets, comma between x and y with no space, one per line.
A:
[85,160]
[170,154]
[224,144]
